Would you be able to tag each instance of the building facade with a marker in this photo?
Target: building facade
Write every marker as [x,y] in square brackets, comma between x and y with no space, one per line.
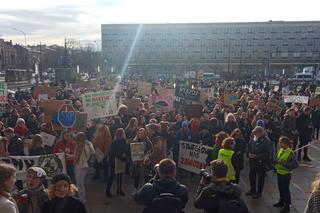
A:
[8,55]
[225,48]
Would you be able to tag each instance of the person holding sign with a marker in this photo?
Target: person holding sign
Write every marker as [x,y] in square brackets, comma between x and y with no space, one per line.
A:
[141,148]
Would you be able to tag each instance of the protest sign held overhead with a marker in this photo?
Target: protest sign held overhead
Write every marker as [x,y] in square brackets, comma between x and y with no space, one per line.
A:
[296,99]
[3,92]
[161,103]
[99,104]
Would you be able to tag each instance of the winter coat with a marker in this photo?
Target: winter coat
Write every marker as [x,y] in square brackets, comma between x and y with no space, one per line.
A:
[64,205]
[16,146]
[163,185]
[207,198]
[40,195]
[304,127]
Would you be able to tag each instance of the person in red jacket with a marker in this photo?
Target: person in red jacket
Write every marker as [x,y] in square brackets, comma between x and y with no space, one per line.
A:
[21,129]
[68,146]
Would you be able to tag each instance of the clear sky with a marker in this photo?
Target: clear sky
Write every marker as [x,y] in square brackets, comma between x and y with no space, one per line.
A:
[50,21]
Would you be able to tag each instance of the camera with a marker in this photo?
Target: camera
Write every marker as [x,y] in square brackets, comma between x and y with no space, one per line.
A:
[205,175]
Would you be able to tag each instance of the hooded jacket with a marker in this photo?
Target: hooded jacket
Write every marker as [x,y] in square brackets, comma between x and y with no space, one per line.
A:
[150,191]
[208,198]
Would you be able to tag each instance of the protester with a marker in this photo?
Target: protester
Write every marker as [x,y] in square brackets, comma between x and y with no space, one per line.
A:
[37,147]
[61,197]
[21,129]
[15,147]
[260,153]
[230,124]
[315,116]
[289,127]
[67,145]
[4,147]
[228,155]
[304,127]
[84,151]
[32,198]
[7,180]
[216,195]
[165,194]
[213,154]
[240,149]
[119,155]
[313,205]
[285,163]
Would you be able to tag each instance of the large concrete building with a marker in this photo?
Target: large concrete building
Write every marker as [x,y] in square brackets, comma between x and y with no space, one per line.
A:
[219,47]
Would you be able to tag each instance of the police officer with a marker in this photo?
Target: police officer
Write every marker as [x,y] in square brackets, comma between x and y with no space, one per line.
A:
[284,164]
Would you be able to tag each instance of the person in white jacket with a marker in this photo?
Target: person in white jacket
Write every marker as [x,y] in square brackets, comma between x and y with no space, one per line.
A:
[7,181]
[84,150]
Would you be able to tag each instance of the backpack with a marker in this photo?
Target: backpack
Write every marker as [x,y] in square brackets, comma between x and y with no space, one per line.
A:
[165,202]
[236,205]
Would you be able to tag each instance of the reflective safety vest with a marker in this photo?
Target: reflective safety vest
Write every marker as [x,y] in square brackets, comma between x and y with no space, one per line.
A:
[226,156]
[283,155]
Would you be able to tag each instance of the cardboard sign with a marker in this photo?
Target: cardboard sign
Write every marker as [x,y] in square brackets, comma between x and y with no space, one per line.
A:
[53,164]
[161,103]
[132,104]
[144,88]
[230,99]
[99,104]
[296,99]
[137,151]
[187,93]
[48,139]
[317,92]
[51,108]
[192,156]
[44,92]
[194,111]
[165,92]
[3,92]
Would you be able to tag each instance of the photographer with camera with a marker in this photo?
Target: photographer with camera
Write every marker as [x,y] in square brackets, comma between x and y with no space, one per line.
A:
[216,194]
[164,194]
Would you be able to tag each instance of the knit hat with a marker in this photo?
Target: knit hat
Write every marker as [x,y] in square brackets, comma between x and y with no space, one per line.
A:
[61,176]
[39,172]
[260,123]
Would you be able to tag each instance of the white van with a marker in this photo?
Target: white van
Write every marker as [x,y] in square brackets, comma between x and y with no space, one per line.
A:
[302,77]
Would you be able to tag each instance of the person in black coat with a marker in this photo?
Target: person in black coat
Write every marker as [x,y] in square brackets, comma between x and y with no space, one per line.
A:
[240,149]
[315,116]
[118,156]
[166,184]
[260,152]
[304,127]
[62,199]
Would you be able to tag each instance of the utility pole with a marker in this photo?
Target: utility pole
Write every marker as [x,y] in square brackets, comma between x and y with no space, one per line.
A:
[40,63]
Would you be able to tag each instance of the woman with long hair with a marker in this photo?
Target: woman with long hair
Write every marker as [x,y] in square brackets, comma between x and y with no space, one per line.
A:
[230,124]
[7,181]
[141,166]
[61,197]
[240,149]
[313,205]
[37,146]
[84,150]
[68,146]
[102,143]
[132,128]
[119,155]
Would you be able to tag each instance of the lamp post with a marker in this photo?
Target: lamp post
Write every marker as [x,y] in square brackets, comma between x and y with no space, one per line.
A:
[25,37]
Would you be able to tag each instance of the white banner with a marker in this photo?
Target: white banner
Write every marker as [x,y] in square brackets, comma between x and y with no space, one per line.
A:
[296,99]
[137,151]
[99,104]
[52,164]
[192,156]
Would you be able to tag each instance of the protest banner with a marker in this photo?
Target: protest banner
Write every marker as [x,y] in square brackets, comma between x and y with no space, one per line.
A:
[192,156]
[44,92]
[99,104]
[52,164]
[296,99]
[230,99]
[3,92]
[314,102]
[81,122]
[144,88]
[188,93]
[161,103]
[317,92]
[165,91]
[132,104]
[137,151]
[194,110]
[48,139]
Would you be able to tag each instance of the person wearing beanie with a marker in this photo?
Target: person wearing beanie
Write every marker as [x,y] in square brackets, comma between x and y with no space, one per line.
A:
[61,197]
[32,198]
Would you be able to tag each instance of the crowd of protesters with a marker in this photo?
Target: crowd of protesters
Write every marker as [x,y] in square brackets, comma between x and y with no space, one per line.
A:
[254,127]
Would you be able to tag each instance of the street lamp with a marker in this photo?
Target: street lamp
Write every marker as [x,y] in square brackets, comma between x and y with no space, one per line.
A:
[25,37]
